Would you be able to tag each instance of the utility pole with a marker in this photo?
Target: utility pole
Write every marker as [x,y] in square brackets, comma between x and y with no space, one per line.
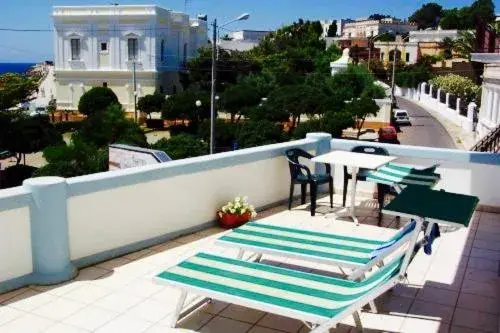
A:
[214,81]
[393,75]
[134,83]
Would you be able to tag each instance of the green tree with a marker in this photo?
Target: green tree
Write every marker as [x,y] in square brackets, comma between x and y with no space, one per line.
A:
[428,16]
[296,100]
[332,30]
[256,133]
[412,75]
[247,93]
[96,100]
[76,159]
[14,89]
[323,60]
[182,146]
[378,17]
[111,126]
[26,135]
[151,103]
[469,17]
[230,65]
[183,106]
[465,44]
[360,109]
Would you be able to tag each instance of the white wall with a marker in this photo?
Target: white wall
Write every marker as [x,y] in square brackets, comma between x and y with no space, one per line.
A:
[113,218]
[15,238]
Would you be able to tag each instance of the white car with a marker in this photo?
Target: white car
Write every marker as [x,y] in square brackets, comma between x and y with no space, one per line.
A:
[402,117]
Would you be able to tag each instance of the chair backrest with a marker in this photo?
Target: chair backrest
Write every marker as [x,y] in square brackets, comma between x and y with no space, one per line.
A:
[293,155]
[370,150]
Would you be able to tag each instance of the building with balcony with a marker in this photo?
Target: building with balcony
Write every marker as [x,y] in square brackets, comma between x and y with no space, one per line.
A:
[369,28]
[100,46]
[489,114]
[119,229]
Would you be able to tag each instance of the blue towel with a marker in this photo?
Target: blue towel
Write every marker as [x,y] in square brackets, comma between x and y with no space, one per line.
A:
[435,233]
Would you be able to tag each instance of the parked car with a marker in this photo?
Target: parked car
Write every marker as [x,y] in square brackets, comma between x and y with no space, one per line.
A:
[402,117]
[388,135]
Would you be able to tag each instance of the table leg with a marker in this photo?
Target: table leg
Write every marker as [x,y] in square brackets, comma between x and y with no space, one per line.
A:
[354,182]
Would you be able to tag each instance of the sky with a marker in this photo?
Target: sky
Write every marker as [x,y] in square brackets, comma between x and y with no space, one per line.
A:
[264,15]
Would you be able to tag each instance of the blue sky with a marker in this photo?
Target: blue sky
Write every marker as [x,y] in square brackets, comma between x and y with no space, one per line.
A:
[265,14]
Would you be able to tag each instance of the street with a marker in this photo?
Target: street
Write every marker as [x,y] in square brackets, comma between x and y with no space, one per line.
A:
[425,130]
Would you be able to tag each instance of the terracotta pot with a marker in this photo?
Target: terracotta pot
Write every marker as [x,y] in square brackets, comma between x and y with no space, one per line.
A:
[230,221]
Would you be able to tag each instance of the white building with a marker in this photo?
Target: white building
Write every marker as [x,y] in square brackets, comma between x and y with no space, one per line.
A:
[489,114]
[98,45]
[249,35]
[429,36]
[363,28]
[243,40]
[340,26]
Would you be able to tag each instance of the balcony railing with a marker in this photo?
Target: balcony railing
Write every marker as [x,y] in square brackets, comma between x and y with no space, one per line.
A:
[490,143]
[51,226]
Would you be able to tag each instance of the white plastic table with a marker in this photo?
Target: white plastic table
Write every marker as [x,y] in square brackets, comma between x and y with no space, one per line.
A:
[354,161]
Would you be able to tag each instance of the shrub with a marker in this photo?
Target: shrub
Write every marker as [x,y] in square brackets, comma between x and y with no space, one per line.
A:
[182,146]
[225,133]
[76,159]
[457,85]
[68,126]
[111,126]
[155,123]
[256,133]
[15,175]
[151,103]
[96,100]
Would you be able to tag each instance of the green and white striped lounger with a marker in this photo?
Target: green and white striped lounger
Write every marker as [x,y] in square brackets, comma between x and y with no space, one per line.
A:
[316,299]
[398,175]
[357,254]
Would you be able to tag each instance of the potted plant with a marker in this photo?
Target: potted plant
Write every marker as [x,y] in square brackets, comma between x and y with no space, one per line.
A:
[236,213]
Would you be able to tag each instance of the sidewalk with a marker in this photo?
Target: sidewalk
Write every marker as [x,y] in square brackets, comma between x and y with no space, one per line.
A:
[463,140]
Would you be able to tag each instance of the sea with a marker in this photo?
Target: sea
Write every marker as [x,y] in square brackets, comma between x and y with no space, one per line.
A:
[13,67]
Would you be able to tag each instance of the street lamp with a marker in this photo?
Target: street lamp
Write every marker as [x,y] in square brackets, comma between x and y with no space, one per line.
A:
[370,41]
[198,103]
[215,29]
[394,70]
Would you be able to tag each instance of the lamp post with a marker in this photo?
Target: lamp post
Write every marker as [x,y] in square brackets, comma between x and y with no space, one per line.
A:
[394,71]
[215,29]
[370,41]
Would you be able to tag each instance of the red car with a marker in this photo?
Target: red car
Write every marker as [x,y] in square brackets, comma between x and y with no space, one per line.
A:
[388,135]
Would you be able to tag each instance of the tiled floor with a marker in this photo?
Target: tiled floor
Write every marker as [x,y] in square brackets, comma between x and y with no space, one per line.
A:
[456,289]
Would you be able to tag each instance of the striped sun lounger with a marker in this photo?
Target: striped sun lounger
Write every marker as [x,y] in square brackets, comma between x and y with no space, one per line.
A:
[320,300]
[343,251]
[398,175]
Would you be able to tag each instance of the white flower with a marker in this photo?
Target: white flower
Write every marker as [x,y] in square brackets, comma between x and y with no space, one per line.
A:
[232,211]
[237,199]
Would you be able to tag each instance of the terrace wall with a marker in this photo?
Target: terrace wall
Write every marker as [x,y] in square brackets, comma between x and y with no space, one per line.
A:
[52,225]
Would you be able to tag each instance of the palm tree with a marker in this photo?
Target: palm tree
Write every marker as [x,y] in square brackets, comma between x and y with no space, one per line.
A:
[465,44]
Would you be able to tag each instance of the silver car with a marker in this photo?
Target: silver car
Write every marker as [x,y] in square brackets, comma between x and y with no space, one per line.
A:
[402,117]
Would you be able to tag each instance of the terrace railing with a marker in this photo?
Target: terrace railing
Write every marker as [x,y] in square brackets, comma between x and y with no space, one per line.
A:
[490,143]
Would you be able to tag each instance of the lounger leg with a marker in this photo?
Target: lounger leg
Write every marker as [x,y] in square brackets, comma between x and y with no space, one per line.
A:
[357,321]
[240,254]
[178,309]
[259,257]
[373,306]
